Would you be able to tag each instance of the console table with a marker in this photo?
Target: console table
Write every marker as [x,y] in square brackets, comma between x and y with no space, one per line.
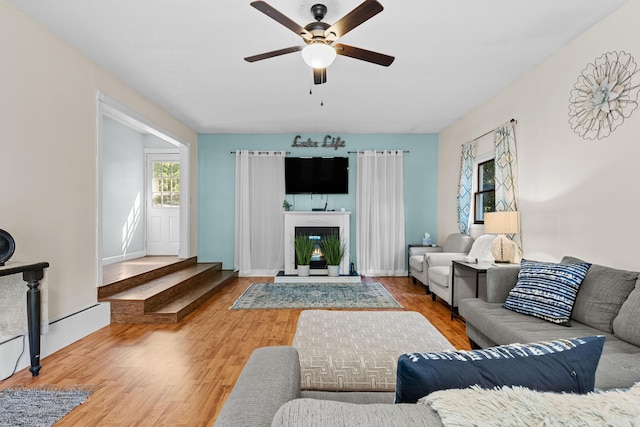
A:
[32,274]
[478,268]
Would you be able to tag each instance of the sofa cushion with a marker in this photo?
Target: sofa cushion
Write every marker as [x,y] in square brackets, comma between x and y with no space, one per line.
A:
[546,290]
[416,262]
[359,397]
[268,380]
[562,365]
[488,324]
[626,325]
[503,326]
[311,412]
[601,294]
[439,275]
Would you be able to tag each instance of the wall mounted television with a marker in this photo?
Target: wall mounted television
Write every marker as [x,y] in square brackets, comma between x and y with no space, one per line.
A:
[316,175]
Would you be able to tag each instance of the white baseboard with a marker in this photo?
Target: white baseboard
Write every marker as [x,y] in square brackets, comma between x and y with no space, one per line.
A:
[61,333]
[125,257]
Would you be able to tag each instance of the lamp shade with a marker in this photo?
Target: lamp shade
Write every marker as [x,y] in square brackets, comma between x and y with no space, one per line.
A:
[318,55]
[505,222]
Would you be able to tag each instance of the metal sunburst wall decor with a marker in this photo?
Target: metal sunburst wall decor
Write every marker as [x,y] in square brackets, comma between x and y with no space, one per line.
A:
[604,95]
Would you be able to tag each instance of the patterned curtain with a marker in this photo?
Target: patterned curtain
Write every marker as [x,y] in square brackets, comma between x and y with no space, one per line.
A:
[506,179]
[465,186]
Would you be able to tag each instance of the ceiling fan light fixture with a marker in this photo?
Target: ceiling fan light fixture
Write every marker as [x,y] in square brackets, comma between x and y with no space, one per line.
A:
[318,55]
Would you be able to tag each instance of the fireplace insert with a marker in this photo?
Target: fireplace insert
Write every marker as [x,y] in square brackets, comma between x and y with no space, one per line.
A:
[316,234]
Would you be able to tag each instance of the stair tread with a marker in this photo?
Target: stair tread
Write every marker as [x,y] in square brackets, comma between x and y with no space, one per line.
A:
[153,287]
[165,295]
[119,278]
[185,299]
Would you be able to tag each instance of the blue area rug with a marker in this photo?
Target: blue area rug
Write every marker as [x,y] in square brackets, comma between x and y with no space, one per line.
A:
[37,407]
[315,295]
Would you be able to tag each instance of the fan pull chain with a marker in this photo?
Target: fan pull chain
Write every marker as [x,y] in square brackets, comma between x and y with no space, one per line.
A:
[311,87]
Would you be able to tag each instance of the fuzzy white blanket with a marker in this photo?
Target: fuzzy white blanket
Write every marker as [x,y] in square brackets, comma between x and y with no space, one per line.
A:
[519,406]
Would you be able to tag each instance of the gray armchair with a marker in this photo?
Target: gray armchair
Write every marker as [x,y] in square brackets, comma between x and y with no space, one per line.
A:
[455,244]
[439,270]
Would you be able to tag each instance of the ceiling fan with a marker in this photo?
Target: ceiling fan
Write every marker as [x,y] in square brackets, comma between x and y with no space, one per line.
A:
[319,51]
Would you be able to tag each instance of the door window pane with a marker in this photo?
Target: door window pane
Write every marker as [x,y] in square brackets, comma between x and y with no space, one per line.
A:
[166,184]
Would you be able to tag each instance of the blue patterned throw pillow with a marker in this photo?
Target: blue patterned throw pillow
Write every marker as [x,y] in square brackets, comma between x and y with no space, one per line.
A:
[547,290]
[564,365]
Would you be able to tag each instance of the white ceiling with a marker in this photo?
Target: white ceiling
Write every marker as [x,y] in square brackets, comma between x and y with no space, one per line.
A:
[187,57]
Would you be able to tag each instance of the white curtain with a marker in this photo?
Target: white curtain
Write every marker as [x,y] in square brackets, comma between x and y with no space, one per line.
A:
[259,223]
[380,244]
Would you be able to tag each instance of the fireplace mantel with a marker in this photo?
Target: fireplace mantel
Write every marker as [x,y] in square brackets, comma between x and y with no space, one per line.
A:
[293,219]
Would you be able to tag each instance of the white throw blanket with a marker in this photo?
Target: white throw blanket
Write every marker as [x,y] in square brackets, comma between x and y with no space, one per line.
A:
[519,406]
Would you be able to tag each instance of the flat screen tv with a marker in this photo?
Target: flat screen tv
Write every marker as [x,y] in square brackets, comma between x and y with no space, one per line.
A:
[316,175]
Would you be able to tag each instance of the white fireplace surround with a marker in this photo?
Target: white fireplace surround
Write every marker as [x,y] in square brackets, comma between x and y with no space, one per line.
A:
[295,219]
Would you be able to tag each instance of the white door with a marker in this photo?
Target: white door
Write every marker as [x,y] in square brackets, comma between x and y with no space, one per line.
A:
[163,204]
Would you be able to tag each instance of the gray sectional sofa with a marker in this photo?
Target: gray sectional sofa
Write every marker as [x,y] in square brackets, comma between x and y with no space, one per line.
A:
[608,303]
[268,392]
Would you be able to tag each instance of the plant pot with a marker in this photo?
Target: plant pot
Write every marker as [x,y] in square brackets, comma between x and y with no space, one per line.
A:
[303,270]
[334,270]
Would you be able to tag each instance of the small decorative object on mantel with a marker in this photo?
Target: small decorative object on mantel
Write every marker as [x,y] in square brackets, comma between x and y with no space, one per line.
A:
[286,205]
[7,247]
[604,95]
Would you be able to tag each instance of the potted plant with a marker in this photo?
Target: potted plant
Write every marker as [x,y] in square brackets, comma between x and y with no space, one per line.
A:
[333,250]
[286,205]
[304,247]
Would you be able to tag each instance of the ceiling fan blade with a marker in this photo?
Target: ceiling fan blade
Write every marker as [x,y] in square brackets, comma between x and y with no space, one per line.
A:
[364,55]
[367,10]
[274,14]
[273,53]
[319,76]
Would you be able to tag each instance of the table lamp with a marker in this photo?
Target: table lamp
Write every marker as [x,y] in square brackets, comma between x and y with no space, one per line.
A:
[501,223]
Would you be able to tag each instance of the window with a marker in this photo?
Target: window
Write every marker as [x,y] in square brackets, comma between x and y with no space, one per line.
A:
[166,184]
[485,196]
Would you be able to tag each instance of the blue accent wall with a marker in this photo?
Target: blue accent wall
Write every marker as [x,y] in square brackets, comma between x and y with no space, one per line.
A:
[216,183]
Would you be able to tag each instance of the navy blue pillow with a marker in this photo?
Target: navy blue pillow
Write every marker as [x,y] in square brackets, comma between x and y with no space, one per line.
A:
[565,365]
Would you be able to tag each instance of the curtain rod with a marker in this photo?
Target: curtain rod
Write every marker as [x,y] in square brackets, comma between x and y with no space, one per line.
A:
[260,152]
[356,152]
[512,121]
[289,152]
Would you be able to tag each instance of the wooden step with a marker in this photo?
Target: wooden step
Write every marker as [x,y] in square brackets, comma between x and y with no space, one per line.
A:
[178,308]
[137,275]
[169,297]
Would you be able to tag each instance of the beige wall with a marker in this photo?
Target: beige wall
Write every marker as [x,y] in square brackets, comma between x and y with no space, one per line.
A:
[577,197]
[48,154]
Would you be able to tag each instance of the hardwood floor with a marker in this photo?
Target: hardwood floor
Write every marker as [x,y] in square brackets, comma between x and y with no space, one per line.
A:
[180,375]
